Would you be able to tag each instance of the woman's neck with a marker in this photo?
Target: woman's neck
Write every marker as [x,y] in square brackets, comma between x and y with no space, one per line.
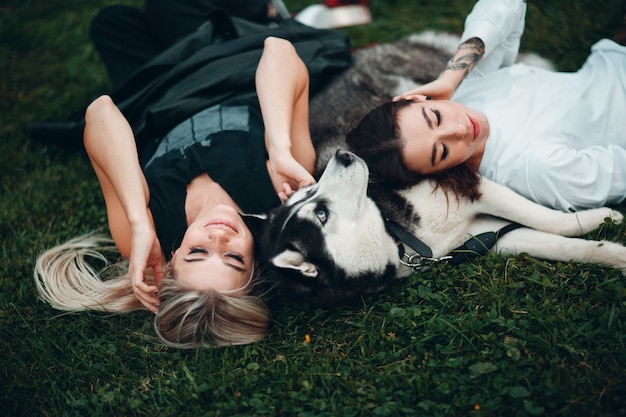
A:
[202,195]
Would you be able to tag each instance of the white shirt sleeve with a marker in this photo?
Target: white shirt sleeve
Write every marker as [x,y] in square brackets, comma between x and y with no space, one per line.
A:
[500,25]
[571,179]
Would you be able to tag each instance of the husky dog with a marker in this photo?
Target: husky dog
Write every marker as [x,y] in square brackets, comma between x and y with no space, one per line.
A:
[338,238]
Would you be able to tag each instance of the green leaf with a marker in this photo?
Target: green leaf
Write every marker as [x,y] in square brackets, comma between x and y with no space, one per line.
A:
[518,392]
[482,368]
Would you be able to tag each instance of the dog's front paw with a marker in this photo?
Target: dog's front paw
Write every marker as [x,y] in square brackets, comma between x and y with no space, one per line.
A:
[588,220]
[615,216]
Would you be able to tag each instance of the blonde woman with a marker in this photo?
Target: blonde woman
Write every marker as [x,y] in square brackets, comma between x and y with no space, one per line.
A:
[183,207]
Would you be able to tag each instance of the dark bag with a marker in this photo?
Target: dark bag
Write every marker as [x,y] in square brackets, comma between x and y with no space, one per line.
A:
[216,63]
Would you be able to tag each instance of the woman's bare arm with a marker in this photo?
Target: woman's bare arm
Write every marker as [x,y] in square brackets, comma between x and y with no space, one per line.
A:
[110,144]
[282,84]
[462,63]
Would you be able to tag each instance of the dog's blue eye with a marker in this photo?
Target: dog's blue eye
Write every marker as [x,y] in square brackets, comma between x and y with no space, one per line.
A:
[322,215]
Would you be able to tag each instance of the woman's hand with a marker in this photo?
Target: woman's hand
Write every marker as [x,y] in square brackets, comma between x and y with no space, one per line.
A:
[146,253]
[440,89]
[287,175]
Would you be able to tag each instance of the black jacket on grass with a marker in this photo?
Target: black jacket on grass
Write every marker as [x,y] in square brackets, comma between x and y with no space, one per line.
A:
[214,63]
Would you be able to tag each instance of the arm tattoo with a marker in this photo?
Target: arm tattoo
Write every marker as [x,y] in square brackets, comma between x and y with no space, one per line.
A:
[468,54]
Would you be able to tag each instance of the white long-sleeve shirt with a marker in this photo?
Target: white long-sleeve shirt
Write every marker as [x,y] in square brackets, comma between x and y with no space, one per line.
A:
[557,138]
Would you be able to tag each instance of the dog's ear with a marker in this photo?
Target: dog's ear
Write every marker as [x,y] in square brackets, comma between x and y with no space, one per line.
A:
[290,259]
[256,223]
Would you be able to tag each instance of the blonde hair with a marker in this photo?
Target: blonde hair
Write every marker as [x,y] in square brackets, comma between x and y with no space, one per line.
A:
[67,279]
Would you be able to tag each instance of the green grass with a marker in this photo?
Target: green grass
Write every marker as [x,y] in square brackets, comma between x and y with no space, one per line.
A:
[495,337]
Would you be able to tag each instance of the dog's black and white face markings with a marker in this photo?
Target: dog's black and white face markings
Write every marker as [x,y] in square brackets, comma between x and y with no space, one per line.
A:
[328,241]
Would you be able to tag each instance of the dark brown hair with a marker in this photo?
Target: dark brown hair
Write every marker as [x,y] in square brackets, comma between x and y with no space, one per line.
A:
[376,139]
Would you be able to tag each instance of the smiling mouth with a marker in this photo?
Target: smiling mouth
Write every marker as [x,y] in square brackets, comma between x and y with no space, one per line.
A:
[221,224]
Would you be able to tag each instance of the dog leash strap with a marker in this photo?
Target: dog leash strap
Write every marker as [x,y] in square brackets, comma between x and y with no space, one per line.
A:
[409,239]
[479,245]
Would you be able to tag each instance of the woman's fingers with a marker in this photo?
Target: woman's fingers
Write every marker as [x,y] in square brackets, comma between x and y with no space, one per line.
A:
[145,293]
[158,273]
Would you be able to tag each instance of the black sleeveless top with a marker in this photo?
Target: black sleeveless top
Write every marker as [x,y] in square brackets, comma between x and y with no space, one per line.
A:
[225,141]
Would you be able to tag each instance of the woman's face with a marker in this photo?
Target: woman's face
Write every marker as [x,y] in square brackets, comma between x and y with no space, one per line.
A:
[217,252]
[438,135]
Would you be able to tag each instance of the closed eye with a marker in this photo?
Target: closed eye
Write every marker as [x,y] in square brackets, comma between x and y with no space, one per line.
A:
[236,257]
[444,152]
[437,115]
[197,250]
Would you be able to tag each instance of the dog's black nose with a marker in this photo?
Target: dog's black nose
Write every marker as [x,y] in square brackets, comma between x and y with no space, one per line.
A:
[345,157]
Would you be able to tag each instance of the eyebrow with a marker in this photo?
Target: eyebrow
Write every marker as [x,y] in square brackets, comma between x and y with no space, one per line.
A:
[235,267]
[430,123]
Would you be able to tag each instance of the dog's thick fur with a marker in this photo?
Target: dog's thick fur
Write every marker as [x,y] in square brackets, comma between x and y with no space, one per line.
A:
[330,241]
